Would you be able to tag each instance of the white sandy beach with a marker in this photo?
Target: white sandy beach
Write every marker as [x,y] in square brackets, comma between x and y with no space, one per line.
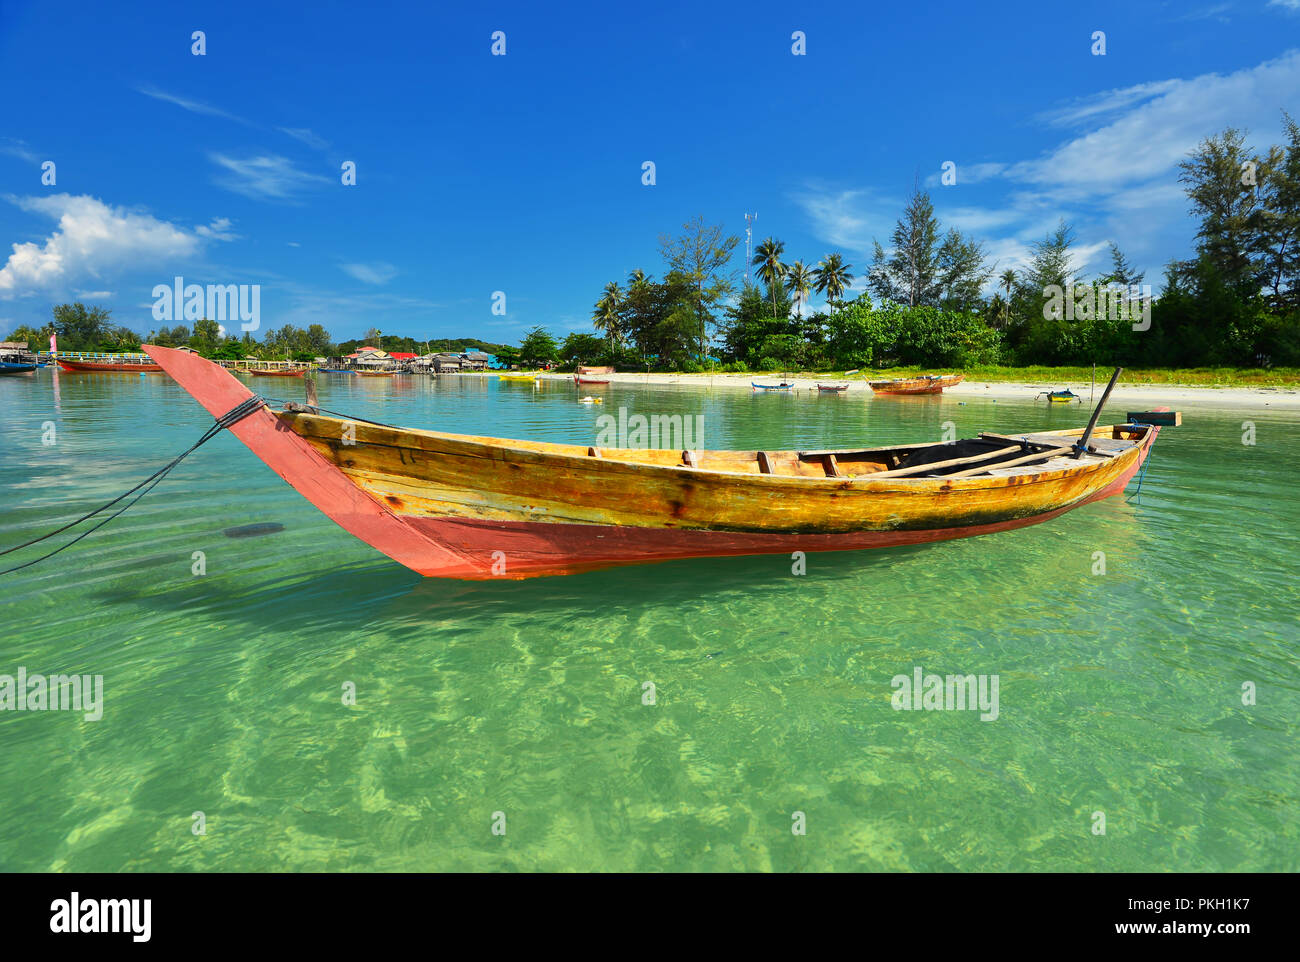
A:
[1138,396]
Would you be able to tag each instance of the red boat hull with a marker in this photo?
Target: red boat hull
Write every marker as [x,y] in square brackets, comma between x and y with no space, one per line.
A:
[86,367]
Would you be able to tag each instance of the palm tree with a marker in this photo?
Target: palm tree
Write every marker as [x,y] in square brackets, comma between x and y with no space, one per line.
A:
[767,257]
[1008,281]
[605,317]
[832,276]
[800,279]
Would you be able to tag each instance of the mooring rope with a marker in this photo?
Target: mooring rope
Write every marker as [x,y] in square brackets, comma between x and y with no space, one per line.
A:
[231,417]
[1142,472]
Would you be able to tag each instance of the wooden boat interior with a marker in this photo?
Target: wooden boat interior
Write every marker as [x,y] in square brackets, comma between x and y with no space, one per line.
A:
[989,455]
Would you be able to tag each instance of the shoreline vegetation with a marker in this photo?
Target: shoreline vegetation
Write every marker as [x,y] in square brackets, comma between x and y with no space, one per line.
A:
[930,302]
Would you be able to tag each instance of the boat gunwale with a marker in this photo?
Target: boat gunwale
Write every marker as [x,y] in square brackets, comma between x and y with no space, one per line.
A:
[544,451]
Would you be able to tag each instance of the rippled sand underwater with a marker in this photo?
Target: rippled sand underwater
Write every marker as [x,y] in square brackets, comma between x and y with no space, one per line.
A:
[224,692]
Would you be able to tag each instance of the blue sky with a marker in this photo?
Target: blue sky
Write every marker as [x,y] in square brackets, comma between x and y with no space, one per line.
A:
[523,173]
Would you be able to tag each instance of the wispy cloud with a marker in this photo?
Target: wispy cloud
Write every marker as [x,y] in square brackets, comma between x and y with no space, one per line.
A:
[267,177]
[193,106]
[1090,108]
[218,230]
[967,174]
[20,149]
[306,136]
[371,273]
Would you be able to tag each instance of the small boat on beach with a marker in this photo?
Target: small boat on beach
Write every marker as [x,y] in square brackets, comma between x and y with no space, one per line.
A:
[1059,397]
[592,375]
[783,386]
[832,388]
[925,384]
[464,506]
[122,363]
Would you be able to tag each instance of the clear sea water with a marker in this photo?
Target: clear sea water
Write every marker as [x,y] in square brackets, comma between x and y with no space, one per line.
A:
[1119,693]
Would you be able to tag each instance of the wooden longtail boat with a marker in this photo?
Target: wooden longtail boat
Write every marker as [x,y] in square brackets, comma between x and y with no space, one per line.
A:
[84,367]
[926,384]
[457,506]
[783,386]
[16,367]
[267,372]
[832,388]
[516,377]
[361,373]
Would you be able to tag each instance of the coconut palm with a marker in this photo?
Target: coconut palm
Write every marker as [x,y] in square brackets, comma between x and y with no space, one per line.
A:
[767,257]
[605,317]
[800,280]
[1008,280]
[832,276]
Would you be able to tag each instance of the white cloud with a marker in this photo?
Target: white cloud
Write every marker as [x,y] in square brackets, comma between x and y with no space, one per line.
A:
[19,148]
[1286,4]
[968,174]
[371,273]
[848,219]
[193,106]
[219,230]
[1106,102]
[96,295]
[91,239]
[264,178]
[306,136]
[1149,140]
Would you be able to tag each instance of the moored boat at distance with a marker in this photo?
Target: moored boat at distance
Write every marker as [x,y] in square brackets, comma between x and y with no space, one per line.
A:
[455,506]
[517,377]
[924,384]
[1059,397]
[17,358]
[783,386]
[361,373]
[128,363]
[273,372]
[832,388]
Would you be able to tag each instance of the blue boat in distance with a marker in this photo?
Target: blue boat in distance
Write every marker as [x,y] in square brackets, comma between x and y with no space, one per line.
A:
[783,386]
[17,358]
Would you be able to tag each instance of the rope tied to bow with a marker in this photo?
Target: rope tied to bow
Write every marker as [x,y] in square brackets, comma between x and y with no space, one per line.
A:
[227,420]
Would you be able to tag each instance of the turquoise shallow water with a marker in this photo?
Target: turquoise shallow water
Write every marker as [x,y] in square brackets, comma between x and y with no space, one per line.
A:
[1119,693]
